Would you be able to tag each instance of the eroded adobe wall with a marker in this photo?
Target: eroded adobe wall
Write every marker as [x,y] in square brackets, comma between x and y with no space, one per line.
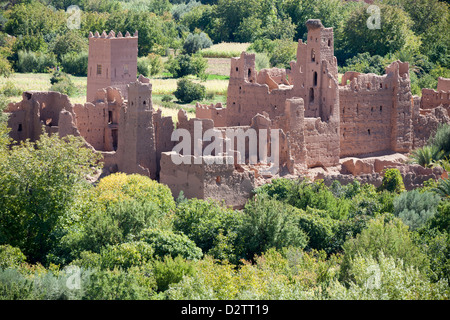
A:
[426,122]
[246,97]
[322,143]
[376,112]
[402,116]
[163,127]
[214,112]
[136,151]
[36,109]
[213,181]
[366,106]
[98,122]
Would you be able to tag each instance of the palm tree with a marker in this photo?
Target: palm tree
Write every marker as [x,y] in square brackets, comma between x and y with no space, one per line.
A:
[443,188]
[427,156]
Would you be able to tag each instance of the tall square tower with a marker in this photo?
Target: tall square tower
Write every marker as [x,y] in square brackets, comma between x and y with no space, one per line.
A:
[112,62]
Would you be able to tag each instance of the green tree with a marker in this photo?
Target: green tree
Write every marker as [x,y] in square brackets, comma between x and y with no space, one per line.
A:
[40,184]
[210,225]
[69,42]
[394,35]
[269,223]
[166,242]
[391,237]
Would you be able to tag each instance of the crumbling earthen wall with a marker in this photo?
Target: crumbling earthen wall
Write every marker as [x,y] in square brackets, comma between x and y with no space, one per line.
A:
[214,181]
[136,152]
[376,112]
[36,110]
[434,98]
[216,112]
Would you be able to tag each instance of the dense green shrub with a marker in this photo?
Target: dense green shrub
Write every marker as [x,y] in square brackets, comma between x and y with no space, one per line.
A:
[171,270]
[392,181]
[120,186]
[61,82]
[184,64]
[441,139]
[268,223]
[392,238]
[69,42]
[304,194]
[441,220]
[166,242]
[123,256]
[188,91]
[415,208]
[210,225]
[386,277]
[150,65]
[75,63]
[10,257]
[133,284]
[319,227]
[10,90]
[365,63]
[42,185]
[29,61]
[195,42]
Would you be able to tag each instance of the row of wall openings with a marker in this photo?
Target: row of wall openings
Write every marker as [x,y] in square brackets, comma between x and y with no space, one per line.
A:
[99,70]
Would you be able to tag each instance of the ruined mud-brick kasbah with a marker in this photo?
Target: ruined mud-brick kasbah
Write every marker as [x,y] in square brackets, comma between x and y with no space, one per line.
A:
[327,130]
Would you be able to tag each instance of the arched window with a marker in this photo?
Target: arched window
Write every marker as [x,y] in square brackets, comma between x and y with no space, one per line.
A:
[315,78]
[313,55]
[311,95]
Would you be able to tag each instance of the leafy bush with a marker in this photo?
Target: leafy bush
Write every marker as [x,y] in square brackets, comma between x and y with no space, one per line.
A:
[41,185]
[185,64]
[75,63]
[123,256]
[29,61]
[10,90]
[41,284]
[62,83]
[5,67]
[304,194]
[171,270]
[133,284]
[166,242]
[392,237]
[392,181]
[283,54]
[210,225]
[365,63]
[441,220]
[10,257]
[261,61]
[269,223]
[69,42]
[195,42]
[150,65]
[415,208]
[188,91]
[120,186]
[319,228]
[386,277]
